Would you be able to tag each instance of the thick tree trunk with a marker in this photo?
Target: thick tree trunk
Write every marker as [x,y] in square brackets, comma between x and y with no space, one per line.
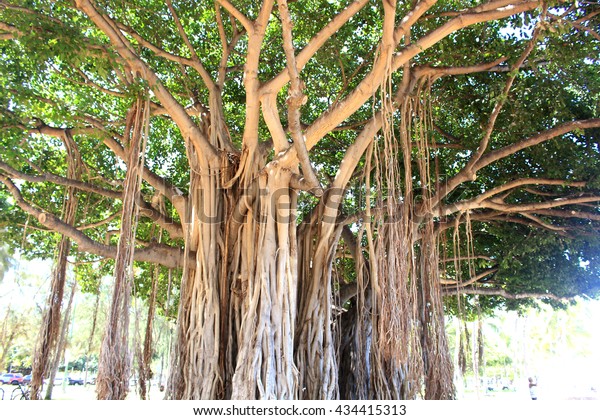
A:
[255,316]
[265,361]
[238,302]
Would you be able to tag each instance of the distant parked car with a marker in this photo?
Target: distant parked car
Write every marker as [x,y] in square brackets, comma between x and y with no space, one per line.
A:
[57,380]
[11,378]
[74,381]
[27,379]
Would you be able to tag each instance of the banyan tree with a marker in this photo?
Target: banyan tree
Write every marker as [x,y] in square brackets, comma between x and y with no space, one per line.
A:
[322,180]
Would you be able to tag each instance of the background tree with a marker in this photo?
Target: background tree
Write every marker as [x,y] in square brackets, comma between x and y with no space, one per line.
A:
[22,294]
[5,258]
[558,347]
[14,338]
[322,173]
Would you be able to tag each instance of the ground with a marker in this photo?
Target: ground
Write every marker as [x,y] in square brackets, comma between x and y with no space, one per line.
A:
[81,393]
[520,393]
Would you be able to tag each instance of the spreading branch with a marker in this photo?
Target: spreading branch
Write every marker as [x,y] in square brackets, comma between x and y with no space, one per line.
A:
[485,198]
[111,140]
[197,64]
[59,180]
[317,41]
[242,18]
[188,128]
[469,172]
[155,253]
[503,293]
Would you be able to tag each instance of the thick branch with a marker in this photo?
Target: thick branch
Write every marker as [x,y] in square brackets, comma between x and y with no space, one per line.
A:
[483,8]
[364,91]
[196,60]
[541,222]
[175,229]
[528,219]
[227,47]
[532,207]
[159,52]
[503,293]
[256,35]
[160,184]
[570,214]
[535,140]
[423,71]
[478,201]
[470,171]
[242,18]
[530,222]
[155,253]
[59,180]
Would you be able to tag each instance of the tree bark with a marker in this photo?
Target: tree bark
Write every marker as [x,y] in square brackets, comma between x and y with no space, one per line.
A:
[265,366]
[195,372]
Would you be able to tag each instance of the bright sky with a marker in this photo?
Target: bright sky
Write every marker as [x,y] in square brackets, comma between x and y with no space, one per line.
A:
[17,291]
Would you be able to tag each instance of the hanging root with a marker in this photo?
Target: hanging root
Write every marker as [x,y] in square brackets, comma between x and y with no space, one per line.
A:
[405,324]
[47,339]
[436,356]
[114,365]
